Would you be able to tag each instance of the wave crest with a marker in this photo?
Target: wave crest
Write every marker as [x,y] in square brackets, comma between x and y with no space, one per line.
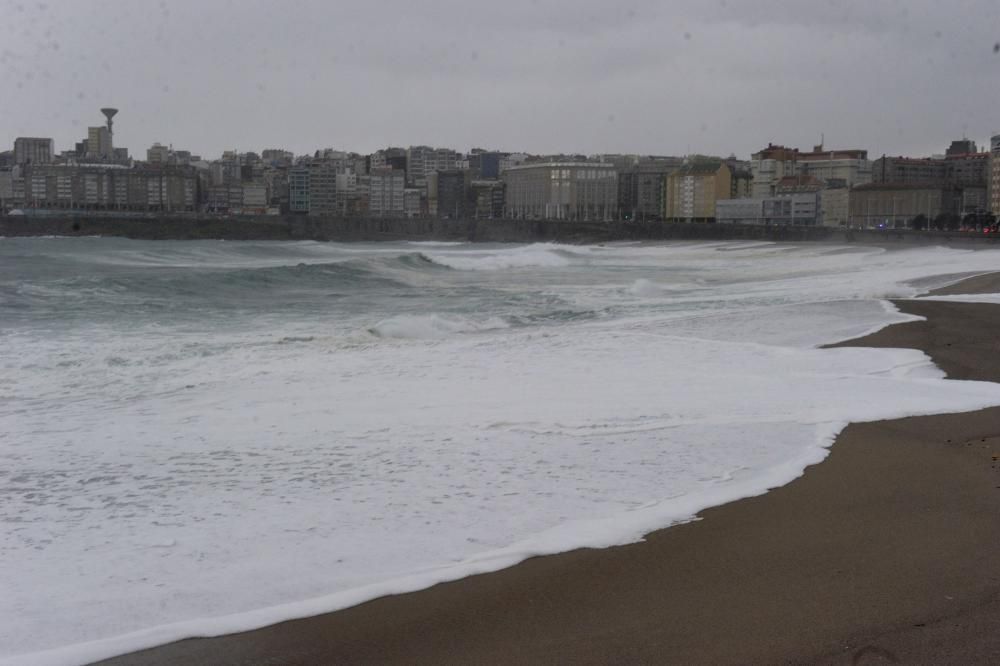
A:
[531,256]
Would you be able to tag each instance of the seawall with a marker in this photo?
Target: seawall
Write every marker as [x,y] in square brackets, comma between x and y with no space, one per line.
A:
[189,227]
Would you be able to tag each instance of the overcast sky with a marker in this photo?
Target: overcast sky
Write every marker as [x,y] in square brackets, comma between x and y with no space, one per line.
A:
[706,76]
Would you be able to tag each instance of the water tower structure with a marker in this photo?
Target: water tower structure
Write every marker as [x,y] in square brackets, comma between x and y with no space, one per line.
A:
[109,114]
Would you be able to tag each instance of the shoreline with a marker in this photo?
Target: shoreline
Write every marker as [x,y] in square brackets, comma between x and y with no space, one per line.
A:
[170,226]
[880,550]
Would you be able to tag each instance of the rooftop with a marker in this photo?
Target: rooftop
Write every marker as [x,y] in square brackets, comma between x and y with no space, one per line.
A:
[927,185]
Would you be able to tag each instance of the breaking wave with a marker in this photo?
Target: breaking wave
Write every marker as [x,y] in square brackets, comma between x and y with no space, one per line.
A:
[539,255]
[144,285]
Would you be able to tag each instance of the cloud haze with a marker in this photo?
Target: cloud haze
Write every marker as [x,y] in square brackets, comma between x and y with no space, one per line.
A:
[718,76]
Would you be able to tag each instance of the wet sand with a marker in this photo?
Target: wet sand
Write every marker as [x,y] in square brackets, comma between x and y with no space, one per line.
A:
[886,552]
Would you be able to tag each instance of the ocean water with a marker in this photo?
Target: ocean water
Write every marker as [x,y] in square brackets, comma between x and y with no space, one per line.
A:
[202,437]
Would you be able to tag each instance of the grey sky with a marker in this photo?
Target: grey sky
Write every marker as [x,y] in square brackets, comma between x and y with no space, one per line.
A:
[710,76]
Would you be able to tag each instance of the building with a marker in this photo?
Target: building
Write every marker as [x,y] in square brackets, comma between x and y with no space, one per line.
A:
[277,157]
[424,160]
[834,203]
[360,204]
[694,189]
[489,199]
[899,205]
[769,166]
[224,198]
[909,170]
[99,143]
[745,210]
[32,150]
[386,192]
[774,163]
[111,187]
[298,189]
[850,167]
[741,183]
[157,154]
[6,187]
[387,158]
[323,188]
[642,186]
[347,191]
[454,194]
[969,172]
[801,208]
[485,164]
[994,188]
[255,197]
[561,191]
[511,160]
[412,198]
[961,147]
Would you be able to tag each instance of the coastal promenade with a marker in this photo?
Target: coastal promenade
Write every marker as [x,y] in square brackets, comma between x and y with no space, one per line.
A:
[300,227]
[886,552]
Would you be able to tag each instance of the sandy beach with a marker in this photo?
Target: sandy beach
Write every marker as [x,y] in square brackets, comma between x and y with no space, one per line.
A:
[886,552]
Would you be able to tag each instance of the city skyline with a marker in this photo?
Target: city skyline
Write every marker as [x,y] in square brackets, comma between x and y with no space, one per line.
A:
[542,77]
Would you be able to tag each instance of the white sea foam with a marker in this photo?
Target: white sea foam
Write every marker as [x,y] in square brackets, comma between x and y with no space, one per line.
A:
[432,326]
[184,475]
[647,288]
[964,298]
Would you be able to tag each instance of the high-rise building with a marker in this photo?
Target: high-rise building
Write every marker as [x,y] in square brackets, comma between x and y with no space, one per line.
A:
[32,150]
[322,188]
[99,143]
[454,196]
[298,189]
[386,192]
